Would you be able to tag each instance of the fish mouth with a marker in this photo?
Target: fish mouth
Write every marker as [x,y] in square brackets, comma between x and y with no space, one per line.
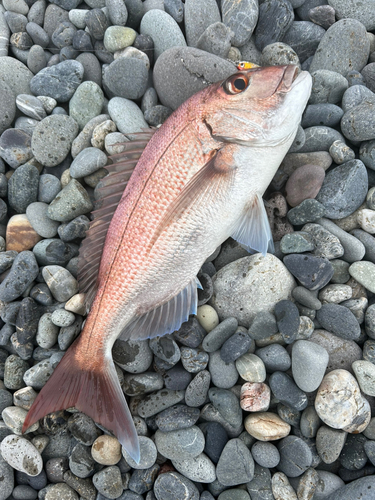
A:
[288,78]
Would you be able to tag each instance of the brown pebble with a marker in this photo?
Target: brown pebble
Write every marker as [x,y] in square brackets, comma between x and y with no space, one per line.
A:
[304,183]
[20,234]
[255,397]
[266,426]
[106,450]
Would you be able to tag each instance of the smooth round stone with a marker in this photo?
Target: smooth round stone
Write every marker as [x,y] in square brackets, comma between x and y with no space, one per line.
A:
[339,320]
[82,41]
[309,422]
[163,30]
[216,40]
[117,12]
[74,229]
[176,378]
[15,75]
[255,397]
[49,186]
[237,345]
[23,272]
[52,148]
[313,272]
[306,298]
[180,444]
[7,106]
[196,391]
[366,220]
[127,115]
[106,450]
[97,23]
[287,317]
[23,187]
[287,392]
[158,401]
[364,273]
[343,48]
[365,374]
[353,456]
[60,282]
[109,482]
[193,360]
[275,18]
[177,417]
[231,494]
[227,404]
[325,114]
[62,318]
[118,37]
[36,59]
[15,147]
[328,87]
[47,333]
[329,443]
[354,490]
[86,103]
[216,438]
[267,274]
[251,368]
[355,10]
[38,374]
[172,485]
[355,96]
[241,18]
[218,335]
[277,54]
[37,214]
[157,115]
[132,356]
[87,162]
[266,426]
[224,375]
[369,350]
[176,69]
[59,81]
[304,38]
[126,77]
[309,362]
[263,326]
[265,454]
[199,469]
[320,138]
[354,250]
[198,16]
[83,140]
[305,182]
[81,462]
[21,455]
[295,456]
[236,465]
[31,106]
[342,353]
[356,124]
[260,486]
[339,402]
[14,418]
[275,358]
[208,318]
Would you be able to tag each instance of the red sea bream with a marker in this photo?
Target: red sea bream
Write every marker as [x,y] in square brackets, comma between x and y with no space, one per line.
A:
[199,180]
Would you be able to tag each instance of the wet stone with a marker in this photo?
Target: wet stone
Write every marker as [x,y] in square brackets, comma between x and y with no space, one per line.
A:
[353,455]
[284,389]
[236,465]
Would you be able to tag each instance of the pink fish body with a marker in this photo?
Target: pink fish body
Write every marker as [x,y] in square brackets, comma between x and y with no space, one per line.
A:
[199,181]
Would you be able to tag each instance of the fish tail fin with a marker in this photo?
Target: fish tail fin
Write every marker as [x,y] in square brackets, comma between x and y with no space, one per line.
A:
[92,388]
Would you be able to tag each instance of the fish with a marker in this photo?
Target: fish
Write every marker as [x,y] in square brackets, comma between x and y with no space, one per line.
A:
[170,199]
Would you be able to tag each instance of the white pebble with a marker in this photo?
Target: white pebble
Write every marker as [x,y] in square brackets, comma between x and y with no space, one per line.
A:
[21,455]
[77,304]
[366,219]
[207,317]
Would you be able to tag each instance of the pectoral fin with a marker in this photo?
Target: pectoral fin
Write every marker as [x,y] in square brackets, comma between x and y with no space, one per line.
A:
[253,230]
[167,317]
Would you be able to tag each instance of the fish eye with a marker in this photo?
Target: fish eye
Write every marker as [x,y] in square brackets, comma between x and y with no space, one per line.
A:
[236,84]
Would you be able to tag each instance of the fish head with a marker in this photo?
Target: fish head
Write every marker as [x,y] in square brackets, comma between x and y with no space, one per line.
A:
[258,106]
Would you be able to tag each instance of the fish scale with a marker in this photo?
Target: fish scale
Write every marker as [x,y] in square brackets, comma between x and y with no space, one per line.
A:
[199,180]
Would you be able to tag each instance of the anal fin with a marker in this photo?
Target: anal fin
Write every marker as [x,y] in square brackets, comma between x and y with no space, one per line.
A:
[253,230]
[167,317]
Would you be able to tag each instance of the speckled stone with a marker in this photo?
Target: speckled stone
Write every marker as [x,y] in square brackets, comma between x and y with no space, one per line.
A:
[170,485]
[21,455]
[236,465]
[196,391]
[59,81]
[339,402]
[313,272]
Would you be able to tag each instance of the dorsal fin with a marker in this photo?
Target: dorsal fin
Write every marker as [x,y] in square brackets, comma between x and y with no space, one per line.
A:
[109,192]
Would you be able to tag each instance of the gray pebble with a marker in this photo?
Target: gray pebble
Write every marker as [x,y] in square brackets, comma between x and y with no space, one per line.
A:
[83,140]
[92,70]
[108,482]
[14,370]
[224,375]
[23,187]
[265,454]
[177,417]
[297,242]
[81,462]
[180,444]
[236,465]
[127,115]
[367,153]
[154,403]
[344,189]
[197,390]
[86,103]
[198,16]
[41,223]
[59,81]
[126,77]
[216,338]
[275,18]
[339,320]
[354,250]
[341,153]
[356,124]
[275,358]
[52,148]
[7,106]
[36,59]
[343,48]
[328,87]
[356,95]
[175,73]
[194,360]
[37,376]
[71,202]
[16,75]
[306,297]
[325,114]
[277,54]
[320,138]
[23,272]
[74,229]
[309,362]
[295,456]
[241,18]
[287,392]
[49,187]
[61,283]
[87,162]
[216,40]
[117,12]
[132,356]
[326,244]
[172,485]
[227,404]
[368,241]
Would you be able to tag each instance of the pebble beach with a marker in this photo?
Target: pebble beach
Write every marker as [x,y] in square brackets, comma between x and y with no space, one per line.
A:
[269,392]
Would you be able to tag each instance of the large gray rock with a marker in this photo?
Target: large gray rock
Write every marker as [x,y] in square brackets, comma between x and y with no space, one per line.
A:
[180,72]
[355,9]
[344,47]
[249,285]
